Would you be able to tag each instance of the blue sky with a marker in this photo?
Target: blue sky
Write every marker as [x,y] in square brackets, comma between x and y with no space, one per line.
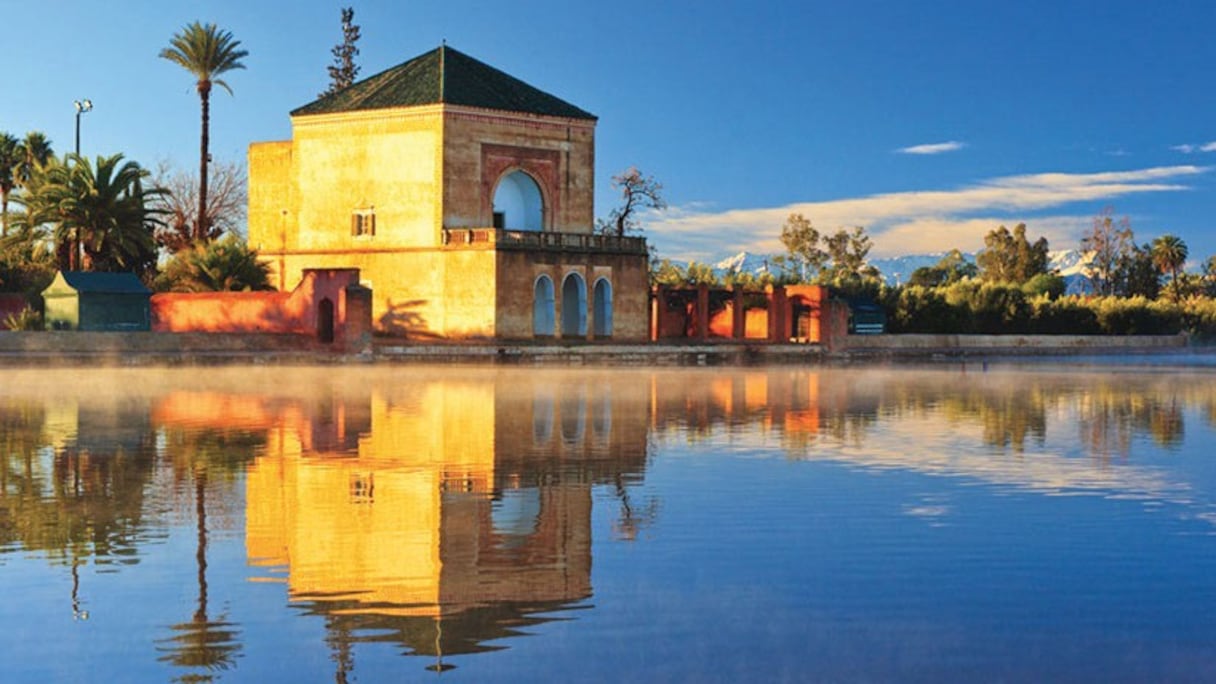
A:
[929,123]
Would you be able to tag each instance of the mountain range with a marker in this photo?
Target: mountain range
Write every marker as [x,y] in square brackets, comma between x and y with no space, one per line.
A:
[1070,264]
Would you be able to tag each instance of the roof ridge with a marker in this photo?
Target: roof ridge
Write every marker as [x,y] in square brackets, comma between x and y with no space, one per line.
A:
[444,75]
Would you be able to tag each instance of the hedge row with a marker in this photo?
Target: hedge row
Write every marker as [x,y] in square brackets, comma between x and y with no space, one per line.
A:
[972,308]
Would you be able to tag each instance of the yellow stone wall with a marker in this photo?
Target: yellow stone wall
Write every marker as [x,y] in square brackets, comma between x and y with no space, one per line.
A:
[423,169]
[405,526]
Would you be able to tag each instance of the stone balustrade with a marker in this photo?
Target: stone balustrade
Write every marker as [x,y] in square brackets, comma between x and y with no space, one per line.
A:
[500,238]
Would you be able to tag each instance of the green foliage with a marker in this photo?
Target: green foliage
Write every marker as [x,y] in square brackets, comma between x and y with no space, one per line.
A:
[1010,257]
[226,265]
[998,308]
[1169,254]
[1050,285]
[666,273]
[700,274]
[26,263]
[1137,275]
[343,71]
[10,160]
[950,269]
[26,319]
[805,257]
[100,209]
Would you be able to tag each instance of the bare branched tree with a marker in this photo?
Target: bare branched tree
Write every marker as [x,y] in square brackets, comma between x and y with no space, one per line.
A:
[226,202]
[638,192]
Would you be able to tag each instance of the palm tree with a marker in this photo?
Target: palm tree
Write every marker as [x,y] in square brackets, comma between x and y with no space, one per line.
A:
[11,156]
[1169,254]
[36,150]
[102,210]
[226,265]
[206,52]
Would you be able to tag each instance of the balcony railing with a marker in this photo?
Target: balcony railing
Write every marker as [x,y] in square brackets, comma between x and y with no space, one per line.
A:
[498,238]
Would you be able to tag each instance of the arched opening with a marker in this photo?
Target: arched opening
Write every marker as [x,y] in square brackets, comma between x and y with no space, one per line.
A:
[573,419]
[325,321]
[804,319]
[518,204]
[544,308]
[574,306]
[602,306]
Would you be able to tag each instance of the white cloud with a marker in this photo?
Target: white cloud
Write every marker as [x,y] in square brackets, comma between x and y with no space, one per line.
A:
[1187,148]
[933,148]
[915,221]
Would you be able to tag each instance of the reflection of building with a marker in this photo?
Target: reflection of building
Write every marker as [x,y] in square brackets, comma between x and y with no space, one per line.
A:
[440,514]
[464,197]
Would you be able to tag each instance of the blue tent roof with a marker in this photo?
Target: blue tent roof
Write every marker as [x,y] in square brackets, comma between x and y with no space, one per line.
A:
[109,283]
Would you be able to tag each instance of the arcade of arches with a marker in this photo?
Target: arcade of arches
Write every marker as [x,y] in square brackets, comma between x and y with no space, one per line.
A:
[577,314]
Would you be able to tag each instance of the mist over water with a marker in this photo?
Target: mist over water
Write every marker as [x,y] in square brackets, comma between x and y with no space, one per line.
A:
[1001,521]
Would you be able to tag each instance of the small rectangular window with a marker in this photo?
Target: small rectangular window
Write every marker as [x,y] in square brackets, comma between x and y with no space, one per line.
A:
[363,223]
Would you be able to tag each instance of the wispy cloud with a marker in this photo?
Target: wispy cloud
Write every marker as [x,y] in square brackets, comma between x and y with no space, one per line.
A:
[916,222]
[1187,148]
[933,148]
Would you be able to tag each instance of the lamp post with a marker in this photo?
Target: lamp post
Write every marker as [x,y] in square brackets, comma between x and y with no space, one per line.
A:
[82,106]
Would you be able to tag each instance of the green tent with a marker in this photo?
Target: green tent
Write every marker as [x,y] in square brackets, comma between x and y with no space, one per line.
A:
[78,300]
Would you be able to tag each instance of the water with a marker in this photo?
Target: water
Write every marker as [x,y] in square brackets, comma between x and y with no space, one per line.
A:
[961,523]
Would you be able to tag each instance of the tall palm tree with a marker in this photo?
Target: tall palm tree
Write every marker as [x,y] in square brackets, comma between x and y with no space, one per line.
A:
[206,52]
[1169,254]
[11,156]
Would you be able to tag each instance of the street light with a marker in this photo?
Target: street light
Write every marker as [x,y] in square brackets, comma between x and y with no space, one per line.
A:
[82,106]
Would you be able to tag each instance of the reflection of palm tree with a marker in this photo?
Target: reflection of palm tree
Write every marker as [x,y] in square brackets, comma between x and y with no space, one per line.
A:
[201,642]
[338,638]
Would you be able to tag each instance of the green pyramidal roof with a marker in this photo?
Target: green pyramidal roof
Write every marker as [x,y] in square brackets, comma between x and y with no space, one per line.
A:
[444,76]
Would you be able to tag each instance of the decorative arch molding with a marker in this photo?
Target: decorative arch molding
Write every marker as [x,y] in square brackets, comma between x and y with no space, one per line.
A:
[543,166]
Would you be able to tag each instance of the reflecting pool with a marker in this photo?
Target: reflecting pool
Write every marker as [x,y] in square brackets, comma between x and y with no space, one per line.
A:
[955,523]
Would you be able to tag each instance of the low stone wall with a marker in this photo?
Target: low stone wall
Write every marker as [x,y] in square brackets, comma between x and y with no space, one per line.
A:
[1047,344]
[88,345]
[266,312]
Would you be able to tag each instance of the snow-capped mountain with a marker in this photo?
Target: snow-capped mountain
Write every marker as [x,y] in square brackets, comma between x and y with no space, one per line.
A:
[1070,263]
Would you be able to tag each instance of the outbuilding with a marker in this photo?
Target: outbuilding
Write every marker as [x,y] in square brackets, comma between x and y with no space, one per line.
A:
[79,300]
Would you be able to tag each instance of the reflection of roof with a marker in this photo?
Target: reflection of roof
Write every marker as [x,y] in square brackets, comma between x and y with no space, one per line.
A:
[446,76]
[109,283]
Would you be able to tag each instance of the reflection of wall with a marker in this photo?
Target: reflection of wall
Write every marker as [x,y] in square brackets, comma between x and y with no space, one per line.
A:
[456,496]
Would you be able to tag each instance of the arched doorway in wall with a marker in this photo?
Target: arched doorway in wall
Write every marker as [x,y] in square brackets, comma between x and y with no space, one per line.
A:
[601,305]
[804,319]
[574,306]
[518,203]
[325,321]
[544,308]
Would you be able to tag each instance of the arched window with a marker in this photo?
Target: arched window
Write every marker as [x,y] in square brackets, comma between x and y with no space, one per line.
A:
[602,306]
[574,306]
[518,204]
[544,308]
